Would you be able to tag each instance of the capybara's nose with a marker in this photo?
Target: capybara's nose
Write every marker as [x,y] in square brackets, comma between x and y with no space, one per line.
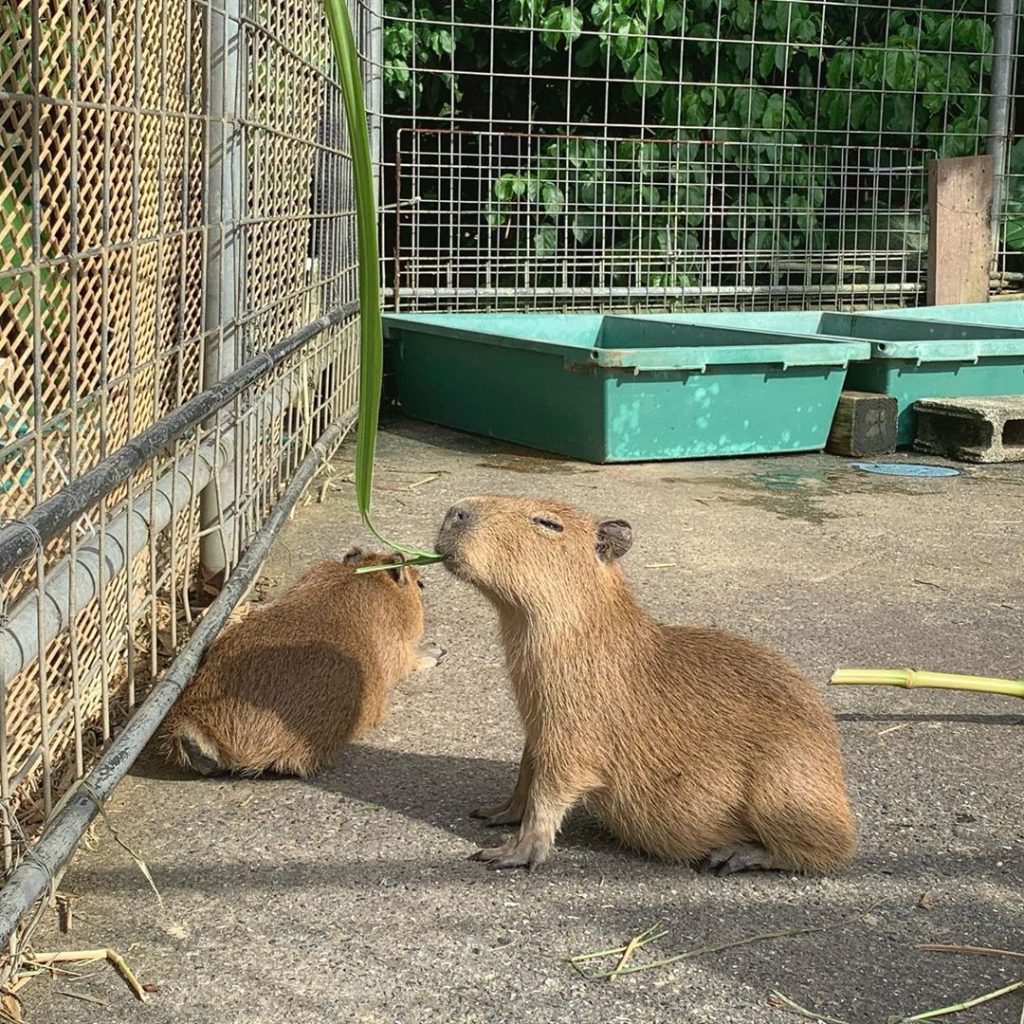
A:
[458,518]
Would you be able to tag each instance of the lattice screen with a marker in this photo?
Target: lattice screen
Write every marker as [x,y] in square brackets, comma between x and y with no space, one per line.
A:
[99,332]
[106,235]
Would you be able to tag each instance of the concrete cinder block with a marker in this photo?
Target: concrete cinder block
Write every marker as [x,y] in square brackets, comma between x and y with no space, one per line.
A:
[972,429]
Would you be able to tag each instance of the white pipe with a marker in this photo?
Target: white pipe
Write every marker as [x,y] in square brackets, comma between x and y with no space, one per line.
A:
[124,537]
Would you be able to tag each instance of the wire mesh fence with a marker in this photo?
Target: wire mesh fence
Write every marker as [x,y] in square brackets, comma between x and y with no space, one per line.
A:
[734,154]
[175,199]
[583,223]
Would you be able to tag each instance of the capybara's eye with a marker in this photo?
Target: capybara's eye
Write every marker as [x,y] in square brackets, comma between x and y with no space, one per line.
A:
[548,523]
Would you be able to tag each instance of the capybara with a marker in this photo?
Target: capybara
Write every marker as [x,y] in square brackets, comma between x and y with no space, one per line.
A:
[284,689]
[688,743]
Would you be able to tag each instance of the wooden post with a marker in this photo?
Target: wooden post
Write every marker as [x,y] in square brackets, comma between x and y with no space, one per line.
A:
[960,229]
[864,425]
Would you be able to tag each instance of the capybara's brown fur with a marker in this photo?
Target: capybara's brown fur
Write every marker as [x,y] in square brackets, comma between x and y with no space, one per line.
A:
[688,743]
[284,689]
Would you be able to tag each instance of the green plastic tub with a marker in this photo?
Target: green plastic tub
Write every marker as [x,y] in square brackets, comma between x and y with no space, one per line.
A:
[911,370]
[996,313]
[971,350]
[619,389]
[927,352]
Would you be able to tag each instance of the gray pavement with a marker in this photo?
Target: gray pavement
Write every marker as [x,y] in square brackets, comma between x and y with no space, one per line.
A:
[348,897]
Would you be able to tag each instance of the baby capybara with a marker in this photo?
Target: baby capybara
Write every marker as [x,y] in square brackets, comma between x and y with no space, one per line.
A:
[286,688]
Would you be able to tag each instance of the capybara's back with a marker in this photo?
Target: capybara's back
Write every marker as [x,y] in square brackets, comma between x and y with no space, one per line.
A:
[735,755]
[286,688]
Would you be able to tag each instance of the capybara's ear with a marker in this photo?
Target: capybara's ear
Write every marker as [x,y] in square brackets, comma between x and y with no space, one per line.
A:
[614,539]
[399,573]
[353,555]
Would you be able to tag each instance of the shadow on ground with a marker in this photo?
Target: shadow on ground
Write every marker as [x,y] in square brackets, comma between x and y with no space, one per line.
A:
[349,897]
[851,956]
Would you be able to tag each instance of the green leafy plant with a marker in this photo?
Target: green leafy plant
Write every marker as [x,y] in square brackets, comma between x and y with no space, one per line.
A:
[790,80]
[1014,206]
[371,341]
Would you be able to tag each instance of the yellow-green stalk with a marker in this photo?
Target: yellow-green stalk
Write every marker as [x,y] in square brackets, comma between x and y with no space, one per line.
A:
[909,677]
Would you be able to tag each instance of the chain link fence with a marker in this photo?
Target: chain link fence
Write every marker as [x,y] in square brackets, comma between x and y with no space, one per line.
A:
[740,154]
[175,202]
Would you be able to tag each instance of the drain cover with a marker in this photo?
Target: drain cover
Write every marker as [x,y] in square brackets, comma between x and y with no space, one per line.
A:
[905,469]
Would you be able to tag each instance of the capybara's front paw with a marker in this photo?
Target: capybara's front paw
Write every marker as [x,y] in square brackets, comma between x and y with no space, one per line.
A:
[524,852]
[491,810]
[429,656]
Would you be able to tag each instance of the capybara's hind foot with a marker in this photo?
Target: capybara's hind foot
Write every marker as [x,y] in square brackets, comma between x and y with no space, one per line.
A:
[729,859]
[498,814]
[198,761]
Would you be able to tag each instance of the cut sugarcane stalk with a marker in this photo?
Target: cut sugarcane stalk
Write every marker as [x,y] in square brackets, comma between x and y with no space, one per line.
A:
[910,678]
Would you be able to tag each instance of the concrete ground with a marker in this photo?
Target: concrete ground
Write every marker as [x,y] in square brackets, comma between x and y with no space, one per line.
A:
[349,897]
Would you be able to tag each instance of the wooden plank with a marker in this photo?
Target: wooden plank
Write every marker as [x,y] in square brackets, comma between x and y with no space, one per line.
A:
[960,229]
[864,425]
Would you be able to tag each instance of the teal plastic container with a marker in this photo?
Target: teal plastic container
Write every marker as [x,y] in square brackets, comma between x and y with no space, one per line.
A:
[914,357]
[620,389]
[952,352]
[968,350]
[996,313]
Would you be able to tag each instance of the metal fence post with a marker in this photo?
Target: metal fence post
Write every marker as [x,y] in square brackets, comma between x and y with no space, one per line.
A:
[374,63]
[1000,106]
[225,190]
[371,44]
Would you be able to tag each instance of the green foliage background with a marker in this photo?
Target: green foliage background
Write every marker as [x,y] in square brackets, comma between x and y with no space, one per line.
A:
[764,75]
